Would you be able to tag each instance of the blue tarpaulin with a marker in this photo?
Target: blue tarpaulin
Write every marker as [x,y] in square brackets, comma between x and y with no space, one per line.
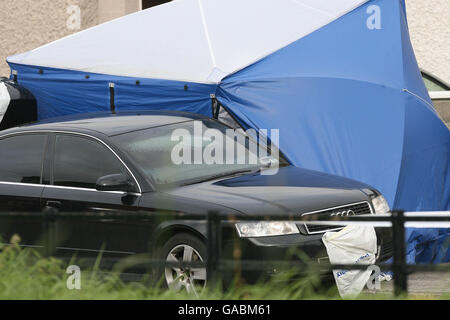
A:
[343,87]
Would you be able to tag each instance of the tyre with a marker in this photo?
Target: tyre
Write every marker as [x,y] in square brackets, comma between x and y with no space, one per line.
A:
[183,247]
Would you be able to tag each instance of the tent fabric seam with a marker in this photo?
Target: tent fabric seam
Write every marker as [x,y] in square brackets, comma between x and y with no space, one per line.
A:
[107,74]
[319,77]
[208,37]
[315,9]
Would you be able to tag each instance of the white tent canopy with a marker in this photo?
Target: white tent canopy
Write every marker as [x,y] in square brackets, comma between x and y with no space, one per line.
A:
[189,40]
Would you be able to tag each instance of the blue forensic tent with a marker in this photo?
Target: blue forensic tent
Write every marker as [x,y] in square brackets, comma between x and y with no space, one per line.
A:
[338,78]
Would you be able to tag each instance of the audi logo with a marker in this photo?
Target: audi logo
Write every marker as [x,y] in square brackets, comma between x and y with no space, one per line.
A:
[346,213]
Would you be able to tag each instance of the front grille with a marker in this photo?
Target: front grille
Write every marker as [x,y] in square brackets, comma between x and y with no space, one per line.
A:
[387,251]
[350,210]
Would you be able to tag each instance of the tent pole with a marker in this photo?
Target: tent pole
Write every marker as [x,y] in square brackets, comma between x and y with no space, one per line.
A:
[111,97]
[215,106]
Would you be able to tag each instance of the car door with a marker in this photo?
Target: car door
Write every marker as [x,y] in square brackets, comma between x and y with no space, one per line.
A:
[78,162]
[21,166]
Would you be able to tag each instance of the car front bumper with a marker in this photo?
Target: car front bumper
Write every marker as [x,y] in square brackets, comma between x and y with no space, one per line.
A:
[303,250]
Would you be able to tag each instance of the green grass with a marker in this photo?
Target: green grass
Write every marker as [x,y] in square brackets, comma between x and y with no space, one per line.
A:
[26,275]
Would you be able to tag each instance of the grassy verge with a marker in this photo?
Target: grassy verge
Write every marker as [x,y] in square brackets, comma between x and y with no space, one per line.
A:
[26,275]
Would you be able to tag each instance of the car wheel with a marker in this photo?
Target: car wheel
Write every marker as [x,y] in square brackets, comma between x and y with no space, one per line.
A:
[184,248]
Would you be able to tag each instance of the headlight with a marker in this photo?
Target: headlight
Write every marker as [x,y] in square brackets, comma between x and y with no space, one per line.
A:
[380,205]
[266,229]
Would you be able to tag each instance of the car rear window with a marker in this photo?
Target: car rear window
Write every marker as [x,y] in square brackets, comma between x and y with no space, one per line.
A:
[22,158]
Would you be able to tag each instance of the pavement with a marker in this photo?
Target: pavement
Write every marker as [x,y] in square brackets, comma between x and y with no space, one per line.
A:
[423,284]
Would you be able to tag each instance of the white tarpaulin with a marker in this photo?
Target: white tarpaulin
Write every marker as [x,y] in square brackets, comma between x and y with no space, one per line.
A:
[189,40]
[351,245]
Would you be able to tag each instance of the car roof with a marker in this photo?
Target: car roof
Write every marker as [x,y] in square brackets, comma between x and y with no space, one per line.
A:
[110,124]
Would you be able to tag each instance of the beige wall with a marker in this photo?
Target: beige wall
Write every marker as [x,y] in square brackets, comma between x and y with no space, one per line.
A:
[27,24]
[429,24]
[111,9]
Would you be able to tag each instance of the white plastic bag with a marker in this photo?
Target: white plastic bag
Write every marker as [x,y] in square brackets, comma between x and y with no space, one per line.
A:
[351,245]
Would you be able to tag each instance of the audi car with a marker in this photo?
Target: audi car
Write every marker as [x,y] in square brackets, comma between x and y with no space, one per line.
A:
[105,164]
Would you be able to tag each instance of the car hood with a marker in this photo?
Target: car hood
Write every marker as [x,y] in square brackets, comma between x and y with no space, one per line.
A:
[291,190]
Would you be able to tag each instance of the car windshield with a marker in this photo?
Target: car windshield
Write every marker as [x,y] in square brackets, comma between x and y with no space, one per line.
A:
[192,152]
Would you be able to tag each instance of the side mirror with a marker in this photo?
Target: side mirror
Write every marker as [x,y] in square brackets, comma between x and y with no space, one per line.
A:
[114,182]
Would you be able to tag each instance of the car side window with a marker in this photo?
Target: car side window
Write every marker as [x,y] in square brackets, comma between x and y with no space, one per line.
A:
[22,158]
[79,162]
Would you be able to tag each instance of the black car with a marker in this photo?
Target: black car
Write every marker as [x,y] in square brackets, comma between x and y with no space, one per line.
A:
[121,163]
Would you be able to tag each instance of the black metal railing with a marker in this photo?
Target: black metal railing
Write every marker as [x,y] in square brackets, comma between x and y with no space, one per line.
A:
[214,238]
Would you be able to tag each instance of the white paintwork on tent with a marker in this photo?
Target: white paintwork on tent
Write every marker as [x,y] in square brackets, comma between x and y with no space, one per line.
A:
[5,99]
[189,40]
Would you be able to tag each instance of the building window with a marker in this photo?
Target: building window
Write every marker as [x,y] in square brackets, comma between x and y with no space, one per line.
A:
[151,3]
[434,84]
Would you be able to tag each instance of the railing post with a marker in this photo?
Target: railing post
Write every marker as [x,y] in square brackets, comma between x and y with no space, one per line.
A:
[49,216]
[400,272]
[213,246]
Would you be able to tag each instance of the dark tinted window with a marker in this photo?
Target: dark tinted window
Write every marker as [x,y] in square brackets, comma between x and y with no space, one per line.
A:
[434,84]
[21,158]
[79,162]
[151,3]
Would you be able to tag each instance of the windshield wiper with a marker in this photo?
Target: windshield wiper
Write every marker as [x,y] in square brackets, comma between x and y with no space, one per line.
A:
[221,175]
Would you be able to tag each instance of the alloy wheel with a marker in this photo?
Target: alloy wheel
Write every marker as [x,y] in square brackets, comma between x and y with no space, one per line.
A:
[193,280]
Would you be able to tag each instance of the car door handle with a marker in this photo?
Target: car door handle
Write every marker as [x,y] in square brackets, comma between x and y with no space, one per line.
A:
[53,204]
